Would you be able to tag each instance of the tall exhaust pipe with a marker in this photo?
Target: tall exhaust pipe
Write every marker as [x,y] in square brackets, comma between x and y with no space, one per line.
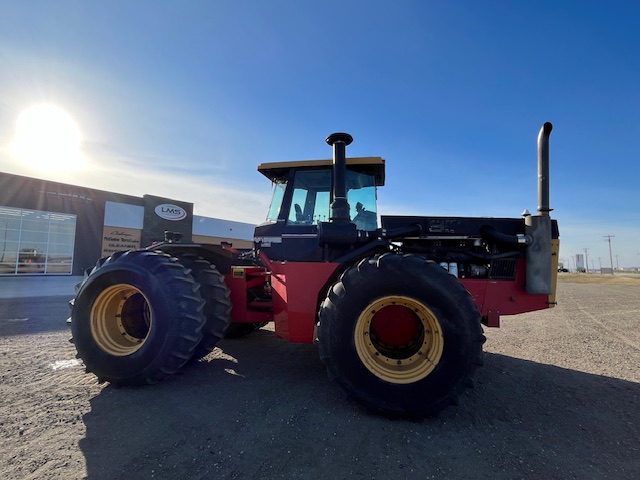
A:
[543,169]
[538,227]
[339,206]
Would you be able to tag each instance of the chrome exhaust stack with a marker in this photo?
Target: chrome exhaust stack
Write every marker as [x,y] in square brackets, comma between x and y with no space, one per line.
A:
[543,169]
[538,227]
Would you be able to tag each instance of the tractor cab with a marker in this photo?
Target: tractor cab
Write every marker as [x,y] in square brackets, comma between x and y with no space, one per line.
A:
[303,192]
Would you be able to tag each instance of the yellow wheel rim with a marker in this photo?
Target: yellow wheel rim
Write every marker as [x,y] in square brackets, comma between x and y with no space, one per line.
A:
[121,320]
[399,339]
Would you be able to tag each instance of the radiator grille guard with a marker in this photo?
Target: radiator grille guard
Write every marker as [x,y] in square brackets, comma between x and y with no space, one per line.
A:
[503,269]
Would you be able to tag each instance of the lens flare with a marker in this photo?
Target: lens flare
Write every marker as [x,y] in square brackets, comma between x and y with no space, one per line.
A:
[47,139]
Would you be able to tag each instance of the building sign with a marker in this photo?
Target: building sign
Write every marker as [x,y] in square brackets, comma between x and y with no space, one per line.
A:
[170,212]
[580,261]
[165,214]
[116,239]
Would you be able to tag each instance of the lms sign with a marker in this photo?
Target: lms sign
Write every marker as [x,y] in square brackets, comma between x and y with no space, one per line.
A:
[171,212]
[166,214]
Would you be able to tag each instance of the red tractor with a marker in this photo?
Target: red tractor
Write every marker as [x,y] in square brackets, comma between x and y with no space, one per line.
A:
[397,308]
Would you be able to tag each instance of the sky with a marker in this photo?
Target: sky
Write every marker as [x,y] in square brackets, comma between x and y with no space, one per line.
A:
[185,99]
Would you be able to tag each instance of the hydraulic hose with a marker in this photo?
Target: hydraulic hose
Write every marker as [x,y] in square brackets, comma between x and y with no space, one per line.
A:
[520,240]
[409,231]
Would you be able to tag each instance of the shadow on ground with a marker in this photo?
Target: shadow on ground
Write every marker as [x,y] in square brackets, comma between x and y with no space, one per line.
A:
[263,408]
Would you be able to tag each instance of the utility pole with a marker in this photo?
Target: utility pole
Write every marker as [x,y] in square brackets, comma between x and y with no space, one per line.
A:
[586,260]
[609,237]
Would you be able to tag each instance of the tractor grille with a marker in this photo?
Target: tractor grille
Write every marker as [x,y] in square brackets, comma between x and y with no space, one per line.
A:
[504,269]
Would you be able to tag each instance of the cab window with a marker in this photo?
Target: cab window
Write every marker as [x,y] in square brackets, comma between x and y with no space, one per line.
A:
[276,201]
[311,199]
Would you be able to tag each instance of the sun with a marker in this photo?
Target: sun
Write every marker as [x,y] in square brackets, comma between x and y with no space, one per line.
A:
[47,139]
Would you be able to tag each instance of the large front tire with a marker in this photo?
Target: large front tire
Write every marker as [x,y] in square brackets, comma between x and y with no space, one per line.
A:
[400,335]
[217,308]
[137,318]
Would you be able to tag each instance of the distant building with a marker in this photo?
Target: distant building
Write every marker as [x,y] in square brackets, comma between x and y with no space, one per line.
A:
[54,228]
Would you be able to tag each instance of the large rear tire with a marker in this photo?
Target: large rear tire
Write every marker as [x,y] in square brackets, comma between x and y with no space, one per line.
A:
[217,308]
[400,335]
[137,318]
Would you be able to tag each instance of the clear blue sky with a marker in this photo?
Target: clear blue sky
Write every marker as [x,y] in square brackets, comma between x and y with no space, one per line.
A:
[184,99]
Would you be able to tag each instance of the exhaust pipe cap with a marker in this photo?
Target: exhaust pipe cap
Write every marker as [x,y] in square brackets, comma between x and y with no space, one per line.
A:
[339,137]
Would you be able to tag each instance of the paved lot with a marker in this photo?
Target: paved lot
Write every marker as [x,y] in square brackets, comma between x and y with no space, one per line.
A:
[27,286]
[558,398]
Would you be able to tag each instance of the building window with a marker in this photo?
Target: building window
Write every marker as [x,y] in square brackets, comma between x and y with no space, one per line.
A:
[36,242]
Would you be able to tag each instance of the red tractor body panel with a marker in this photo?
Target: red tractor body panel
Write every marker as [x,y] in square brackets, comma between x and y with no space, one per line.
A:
[247,293]
[296,287]
[504,297]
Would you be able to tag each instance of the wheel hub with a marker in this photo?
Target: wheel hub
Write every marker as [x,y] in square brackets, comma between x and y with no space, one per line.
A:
[399,339]
[121,319]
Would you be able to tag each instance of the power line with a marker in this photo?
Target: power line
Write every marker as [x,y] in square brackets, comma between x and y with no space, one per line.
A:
[586,259]
[609,237]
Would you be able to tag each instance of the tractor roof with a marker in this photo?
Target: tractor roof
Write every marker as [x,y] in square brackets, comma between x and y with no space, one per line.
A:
[279,171]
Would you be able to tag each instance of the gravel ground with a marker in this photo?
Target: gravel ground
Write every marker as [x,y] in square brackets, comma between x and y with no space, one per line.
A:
[558,398]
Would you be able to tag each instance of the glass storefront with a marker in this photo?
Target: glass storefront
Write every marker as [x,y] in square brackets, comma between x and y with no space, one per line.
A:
[36,242]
